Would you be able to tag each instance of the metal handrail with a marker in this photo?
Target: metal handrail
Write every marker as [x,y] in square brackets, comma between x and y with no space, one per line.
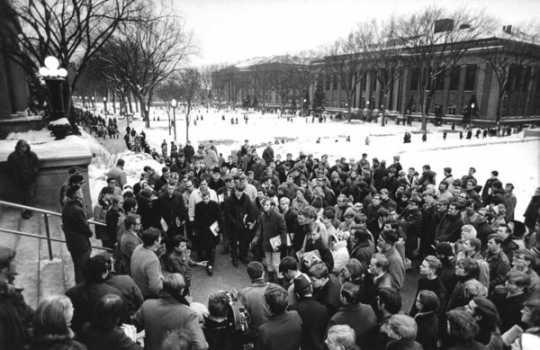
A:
[47,236]
[45,211]
[32,235]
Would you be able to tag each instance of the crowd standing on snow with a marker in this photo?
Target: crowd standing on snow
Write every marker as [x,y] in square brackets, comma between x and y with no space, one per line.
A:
[326,247]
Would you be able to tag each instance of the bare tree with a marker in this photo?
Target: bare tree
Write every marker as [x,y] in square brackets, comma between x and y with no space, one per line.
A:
[145,54]
[190,85]
[71,30]
[434,41]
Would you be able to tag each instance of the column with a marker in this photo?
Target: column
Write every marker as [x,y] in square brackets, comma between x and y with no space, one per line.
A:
[446,90]
[405,88]
[368,87]
[461,87]
[480,87]
[530,91]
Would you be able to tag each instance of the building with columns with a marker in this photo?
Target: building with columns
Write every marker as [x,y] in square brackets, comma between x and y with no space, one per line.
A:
[471,80]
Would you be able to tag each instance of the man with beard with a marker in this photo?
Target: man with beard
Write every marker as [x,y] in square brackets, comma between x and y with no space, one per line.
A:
[239,219]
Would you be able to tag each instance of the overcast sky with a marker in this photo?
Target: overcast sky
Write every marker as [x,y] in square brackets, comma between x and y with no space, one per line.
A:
[233,30]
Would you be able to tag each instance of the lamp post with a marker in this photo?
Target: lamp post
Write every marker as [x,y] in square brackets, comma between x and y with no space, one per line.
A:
[174,104]
[105,105]
[94,103]
[54,78]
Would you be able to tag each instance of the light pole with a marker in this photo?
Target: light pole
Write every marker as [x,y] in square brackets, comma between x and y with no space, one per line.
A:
[174,104]
[105,105]
[55,78]
[93,103]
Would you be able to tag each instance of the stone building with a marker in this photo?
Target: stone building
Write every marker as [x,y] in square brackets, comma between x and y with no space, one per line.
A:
[471,80]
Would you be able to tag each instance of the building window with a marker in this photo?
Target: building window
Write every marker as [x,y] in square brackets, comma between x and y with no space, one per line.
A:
[454,78]
[470,77]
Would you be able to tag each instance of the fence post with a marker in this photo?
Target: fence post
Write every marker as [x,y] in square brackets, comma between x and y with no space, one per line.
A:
[48,233]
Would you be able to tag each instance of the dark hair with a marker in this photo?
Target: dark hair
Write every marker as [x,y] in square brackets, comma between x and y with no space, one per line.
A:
[108,311]
[430,300]
[96,267]
[174,241]
[471,268]
[288,263]
[75,178]
[351,293]
[462,325]
[150,236]
[120,162]
[129,203]
[276,299]
[390,298]
[488,312]
[131,220]
[329,213]
[71,191]
[533,303]
[218,304]
[255,270]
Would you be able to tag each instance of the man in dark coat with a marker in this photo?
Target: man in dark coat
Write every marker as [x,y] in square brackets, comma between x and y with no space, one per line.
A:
[532,213]
[358,316]
[23,166]
[207,224]
[15,315]
[189,152]
[173,211]
[326,287]
[291,222]
[283,331]
[239,215]
[271,230]
[77,231]
[449,228]
[314,315]
[268,154]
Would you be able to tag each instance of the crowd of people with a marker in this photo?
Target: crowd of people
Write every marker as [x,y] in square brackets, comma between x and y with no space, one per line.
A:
[97,125]
[328,249]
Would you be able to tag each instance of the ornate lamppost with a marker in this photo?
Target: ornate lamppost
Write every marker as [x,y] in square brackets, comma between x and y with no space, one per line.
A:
[55,78]
[105,105]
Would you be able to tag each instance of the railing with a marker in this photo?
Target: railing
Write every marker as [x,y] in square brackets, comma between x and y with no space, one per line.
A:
[46,214]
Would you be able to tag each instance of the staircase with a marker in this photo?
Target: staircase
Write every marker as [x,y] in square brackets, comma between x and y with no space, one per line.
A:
[38,275]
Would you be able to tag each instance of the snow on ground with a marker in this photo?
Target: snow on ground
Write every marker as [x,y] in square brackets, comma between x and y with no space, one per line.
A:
[517,159]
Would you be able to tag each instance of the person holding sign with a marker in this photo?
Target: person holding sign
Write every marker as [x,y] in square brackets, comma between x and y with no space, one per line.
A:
[207,225]
[271,230]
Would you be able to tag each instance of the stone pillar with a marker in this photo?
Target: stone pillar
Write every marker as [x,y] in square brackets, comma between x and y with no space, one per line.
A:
[530,91]
[461,88]
[446,90]
[405,85]
[480,87]
[368,87]
[492,99]
[395,88]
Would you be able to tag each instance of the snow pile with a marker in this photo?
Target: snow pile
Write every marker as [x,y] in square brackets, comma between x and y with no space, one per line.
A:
[32,136]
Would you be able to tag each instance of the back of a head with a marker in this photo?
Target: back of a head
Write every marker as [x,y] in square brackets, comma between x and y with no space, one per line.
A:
[350,292]
[430,301]
[173,283]
[288,263]
[120,162]
[150,236]
[276,299]
[342,336]
[255,270]
[390,298]
[218,304]
[108,312]
[53,316]
[462,325]
[404,326]
[96,268]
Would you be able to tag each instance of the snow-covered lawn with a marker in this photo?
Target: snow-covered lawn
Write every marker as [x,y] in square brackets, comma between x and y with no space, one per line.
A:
[517,159]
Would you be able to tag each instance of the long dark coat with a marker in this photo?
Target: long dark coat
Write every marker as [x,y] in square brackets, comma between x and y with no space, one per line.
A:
[205,215]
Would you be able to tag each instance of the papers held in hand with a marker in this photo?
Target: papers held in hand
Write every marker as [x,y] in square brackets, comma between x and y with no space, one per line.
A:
[214,228]
[275,242]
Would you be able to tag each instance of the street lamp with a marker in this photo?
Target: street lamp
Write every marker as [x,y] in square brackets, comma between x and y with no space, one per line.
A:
[174,104]
[54,78]
[94,103]
[105,105]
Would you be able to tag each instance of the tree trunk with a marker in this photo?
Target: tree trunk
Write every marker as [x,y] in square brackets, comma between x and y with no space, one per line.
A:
[129,103]
[187,120]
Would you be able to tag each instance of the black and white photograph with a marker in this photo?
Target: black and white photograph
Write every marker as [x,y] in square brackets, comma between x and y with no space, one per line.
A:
[269,175]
